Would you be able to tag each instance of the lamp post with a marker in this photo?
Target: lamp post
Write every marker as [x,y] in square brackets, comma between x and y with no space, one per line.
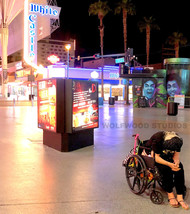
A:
[67,47]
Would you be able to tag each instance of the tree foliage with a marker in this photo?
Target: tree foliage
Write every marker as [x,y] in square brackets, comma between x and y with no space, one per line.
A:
[99,8]
[176,39]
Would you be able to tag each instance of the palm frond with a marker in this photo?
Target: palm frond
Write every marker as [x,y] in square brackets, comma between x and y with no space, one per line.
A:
[150,21]
[125,5]
[176,37]
[99,7]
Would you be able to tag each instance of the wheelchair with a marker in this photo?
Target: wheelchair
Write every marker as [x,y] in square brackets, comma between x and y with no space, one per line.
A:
[141,171]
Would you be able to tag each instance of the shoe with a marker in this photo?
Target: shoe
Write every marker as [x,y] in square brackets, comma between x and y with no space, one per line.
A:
[173,205]
[182,202]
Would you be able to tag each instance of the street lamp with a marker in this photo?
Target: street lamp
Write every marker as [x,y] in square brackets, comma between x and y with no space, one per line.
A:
[67,47]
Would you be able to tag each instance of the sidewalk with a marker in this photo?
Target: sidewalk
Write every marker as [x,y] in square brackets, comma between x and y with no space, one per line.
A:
[37,179]
[17,101]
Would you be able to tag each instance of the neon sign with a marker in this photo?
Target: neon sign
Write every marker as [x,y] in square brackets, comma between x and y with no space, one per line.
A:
[32,36]
[114,75]
[43,10]
[53,59]
[31,13]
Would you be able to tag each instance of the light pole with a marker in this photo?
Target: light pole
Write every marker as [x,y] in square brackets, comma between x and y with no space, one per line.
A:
[67,47]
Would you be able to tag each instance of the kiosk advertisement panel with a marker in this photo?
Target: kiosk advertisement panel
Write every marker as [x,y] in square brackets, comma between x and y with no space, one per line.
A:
[47,104]
[85,105]
[67,112]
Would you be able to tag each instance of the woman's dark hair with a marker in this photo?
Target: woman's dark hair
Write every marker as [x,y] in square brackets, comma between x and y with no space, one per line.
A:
[174,144]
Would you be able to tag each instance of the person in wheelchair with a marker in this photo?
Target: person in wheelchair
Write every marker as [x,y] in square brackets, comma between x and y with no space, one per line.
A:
[167,147]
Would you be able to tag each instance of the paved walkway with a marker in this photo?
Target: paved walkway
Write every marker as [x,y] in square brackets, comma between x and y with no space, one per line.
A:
[35,179]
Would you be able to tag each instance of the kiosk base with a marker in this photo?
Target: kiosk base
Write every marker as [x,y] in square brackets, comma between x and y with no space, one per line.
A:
[65,142]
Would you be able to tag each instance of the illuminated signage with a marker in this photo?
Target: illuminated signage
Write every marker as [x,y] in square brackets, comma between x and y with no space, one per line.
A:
[32,36]
[18,65]
[43,10]
[114,75]
[94,75]
[22,73]
[85,105]
[31,13]
[53,59]
[120,60]
[47,105]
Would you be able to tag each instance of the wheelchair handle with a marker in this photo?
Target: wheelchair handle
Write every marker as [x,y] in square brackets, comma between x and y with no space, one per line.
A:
[135,145]
[134,135]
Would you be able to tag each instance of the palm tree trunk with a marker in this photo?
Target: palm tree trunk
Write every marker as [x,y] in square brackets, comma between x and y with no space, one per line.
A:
[125,29]
[125,50]
[101,28]
[177,49]
[147,44]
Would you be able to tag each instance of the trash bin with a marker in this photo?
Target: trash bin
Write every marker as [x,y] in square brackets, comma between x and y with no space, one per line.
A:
[141,101]
[111,100]
[172,108]
[116,98]
[101,101]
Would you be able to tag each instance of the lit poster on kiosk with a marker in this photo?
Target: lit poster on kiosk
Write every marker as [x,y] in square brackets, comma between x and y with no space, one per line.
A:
[85,105]
[47,104]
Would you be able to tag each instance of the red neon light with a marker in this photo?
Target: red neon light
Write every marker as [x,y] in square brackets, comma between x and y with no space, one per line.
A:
[53,59]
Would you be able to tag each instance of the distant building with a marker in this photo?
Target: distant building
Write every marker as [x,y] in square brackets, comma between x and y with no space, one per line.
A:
[96,63]
[47,47]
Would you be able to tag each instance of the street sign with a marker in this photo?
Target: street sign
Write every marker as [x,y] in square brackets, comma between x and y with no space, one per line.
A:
[120,60]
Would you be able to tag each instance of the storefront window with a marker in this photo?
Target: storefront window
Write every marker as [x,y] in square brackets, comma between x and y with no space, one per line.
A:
[106,91]
[117,92]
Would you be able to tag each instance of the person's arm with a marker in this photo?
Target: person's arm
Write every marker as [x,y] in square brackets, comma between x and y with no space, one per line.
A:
[160,160]
[176,158]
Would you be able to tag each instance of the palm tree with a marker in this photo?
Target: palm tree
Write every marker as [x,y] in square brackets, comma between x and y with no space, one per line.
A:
[126,7]
[148,24]
[176,39]
[100,9]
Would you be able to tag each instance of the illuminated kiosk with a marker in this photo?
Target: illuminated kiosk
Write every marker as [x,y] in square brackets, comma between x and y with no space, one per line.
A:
[67,112]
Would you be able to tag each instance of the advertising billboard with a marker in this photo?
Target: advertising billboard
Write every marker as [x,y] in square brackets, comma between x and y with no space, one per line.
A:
[47,97]
[81,105]
[85,105]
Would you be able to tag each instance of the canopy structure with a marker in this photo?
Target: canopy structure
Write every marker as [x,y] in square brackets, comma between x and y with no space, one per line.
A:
[12,30]
[9,9]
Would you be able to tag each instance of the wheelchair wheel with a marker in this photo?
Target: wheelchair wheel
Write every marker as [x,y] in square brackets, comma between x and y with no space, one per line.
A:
[158,177]
[136,174]
[156,197]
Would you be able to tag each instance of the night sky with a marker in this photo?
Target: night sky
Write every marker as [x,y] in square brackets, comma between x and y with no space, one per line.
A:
[171,16]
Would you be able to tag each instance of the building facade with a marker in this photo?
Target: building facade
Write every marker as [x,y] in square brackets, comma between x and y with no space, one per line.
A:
[48,47]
